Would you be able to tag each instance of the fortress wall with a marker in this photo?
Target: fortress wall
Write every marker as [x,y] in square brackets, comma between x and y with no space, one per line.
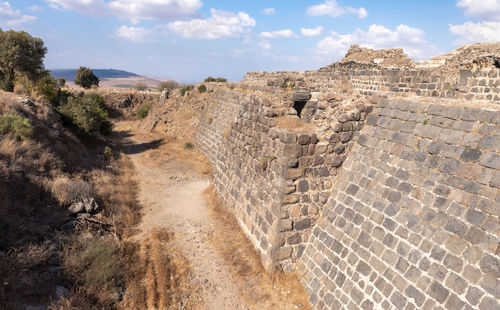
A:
[368,79]
[248,169]
[413,217]
[273,180]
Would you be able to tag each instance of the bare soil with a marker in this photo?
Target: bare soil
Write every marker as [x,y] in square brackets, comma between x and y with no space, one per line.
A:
[219,264]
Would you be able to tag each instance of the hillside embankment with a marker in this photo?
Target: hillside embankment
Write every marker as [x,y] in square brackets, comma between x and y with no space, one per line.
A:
[150,234]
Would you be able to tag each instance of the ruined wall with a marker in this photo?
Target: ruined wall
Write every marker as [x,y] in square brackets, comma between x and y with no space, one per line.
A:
[392,209]
[369,79]
[274,180]
[413,217]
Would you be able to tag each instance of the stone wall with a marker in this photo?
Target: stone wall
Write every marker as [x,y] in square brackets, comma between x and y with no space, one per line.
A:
[274,180]
[412,221]
[392,209]
[369,79]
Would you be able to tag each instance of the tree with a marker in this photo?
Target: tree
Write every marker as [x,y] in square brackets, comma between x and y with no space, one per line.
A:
[61,82]
[86,78]
[20,54]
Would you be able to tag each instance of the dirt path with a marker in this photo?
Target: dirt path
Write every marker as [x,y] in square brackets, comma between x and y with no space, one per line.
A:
[171,191]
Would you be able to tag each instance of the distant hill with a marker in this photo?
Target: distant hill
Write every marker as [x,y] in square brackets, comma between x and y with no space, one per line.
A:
[69,74]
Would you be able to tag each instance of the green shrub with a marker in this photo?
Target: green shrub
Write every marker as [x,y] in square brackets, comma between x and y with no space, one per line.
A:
[143,110]
[185,89]
[141,86]
[48,88]
[168,85]
[219,79]
[61,82]
[202,88]
[17,126]
[188,145]
[86,114]
[86,78]
[94,262]
[108,153]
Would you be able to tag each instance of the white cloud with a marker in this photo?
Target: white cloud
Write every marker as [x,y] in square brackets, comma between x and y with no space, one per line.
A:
[90,7]
[55,6]
[286,33]
[333,9]
[134,34]
[476,32]
[220,24]
[361,12]
[487,30]
[412,40]
[312,32]
[155,9]
[269,11]
[35,8]
[488,10]
[265,45]
[11,17]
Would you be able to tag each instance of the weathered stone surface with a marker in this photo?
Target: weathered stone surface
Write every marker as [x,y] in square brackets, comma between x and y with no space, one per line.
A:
[412,218]
[491,265]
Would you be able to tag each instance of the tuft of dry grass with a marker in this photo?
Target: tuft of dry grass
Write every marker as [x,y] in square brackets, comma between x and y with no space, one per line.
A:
[157,276]
[246,262]
[117,190]
[293,123]
[67,191]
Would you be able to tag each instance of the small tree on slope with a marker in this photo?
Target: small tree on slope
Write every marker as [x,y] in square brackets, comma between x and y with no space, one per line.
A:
[86,78]
[20,54]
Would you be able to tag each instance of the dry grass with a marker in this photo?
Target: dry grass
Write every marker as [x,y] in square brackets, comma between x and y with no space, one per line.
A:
[67,191]
[117,190]
[158,276]
[276,289]
[294,124]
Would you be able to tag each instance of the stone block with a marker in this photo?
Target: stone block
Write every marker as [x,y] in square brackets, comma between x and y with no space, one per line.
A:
[302,224]
[438,292]
[490,264]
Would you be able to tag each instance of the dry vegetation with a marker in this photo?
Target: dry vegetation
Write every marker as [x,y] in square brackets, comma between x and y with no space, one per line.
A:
[293,123]
[158,275]
[277,288]
[48,257]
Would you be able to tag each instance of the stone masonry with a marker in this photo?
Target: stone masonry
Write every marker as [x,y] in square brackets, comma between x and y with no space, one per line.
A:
[381,203]
[413,218]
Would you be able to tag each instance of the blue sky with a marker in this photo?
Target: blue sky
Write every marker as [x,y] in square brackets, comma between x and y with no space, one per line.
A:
[191,39]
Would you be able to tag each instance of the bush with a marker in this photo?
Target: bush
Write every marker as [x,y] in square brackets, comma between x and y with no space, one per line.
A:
[61,82]
[94,262]
[86,78]
[202,88]
[17,126]
[48,88]
[188,145]
[185,89]
[143,110]
[86,114]
[108,153]
[67,191]
[219,79]
[141,86]
[168,85]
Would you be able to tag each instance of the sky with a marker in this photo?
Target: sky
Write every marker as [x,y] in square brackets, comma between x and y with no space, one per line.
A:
[188,40]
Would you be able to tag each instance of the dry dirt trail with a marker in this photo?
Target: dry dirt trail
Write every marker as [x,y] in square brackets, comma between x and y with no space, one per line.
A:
[224,273]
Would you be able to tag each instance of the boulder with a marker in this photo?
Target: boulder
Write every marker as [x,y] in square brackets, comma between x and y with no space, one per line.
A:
[301,95]
[87,205]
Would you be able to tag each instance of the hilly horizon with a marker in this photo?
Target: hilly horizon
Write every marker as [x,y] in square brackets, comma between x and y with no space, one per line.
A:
[69,74]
